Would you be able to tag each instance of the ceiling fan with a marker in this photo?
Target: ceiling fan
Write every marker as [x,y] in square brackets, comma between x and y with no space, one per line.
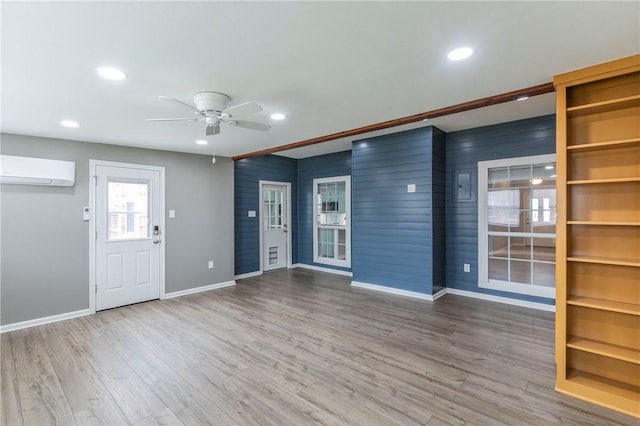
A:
[213,108]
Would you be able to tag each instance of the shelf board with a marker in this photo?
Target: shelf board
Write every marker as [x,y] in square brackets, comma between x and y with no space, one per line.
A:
[594,181]
[604,260]
[620,143]
[600,390]
[605,105]
[604,349]
[599,223]
[605,305]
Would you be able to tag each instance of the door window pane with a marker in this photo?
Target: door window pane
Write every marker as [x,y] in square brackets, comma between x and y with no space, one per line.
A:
[127,210]
[272,209]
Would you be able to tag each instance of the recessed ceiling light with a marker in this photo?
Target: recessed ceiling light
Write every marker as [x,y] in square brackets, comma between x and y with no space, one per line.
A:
[549,167]
[553,176]
[201,142]
[460,53]
[111,73]
[278,116]
[522,98]
[69,123]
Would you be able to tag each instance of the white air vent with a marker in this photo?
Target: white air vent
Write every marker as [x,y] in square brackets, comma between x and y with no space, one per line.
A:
[36,171]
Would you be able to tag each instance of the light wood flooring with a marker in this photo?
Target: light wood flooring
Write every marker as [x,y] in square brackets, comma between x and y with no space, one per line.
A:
[292,347]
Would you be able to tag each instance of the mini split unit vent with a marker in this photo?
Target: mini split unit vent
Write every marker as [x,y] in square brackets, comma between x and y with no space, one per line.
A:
[36,171]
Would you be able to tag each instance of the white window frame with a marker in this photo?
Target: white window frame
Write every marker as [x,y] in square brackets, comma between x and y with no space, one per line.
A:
[346,263]
[483,229]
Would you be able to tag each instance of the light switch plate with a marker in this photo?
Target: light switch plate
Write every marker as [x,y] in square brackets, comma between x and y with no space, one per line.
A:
[172,214]
[86,214]
[411,187]
[251,213]
[467,267]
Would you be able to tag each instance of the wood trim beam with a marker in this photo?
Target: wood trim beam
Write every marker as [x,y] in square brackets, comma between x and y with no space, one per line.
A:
[453,109]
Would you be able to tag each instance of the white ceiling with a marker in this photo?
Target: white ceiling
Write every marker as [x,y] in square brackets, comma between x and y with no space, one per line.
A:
[330,66]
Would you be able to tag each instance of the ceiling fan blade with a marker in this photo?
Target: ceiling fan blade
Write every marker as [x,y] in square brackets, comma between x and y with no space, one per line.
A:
[172,119]
[184,104]
[250,125]
[246,108]
[213,130]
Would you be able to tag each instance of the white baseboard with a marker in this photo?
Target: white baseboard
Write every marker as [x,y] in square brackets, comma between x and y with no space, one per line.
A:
[83,312]
[396,291]
[439,294]
[199,289]
[322,269]
[248,275]
[44,320]
[500,299]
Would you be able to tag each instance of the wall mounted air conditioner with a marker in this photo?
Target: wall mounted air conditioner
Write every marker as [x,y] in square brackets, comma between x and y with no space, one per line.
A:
[36,171]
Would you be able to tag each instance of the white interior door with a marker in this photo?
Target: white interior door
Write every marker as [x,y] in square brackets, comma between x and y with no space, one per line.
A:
[274,227]
[127,224]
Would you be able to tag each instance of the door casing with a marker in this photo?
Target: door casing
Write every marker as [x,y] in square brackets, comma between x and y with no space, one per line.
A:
[93,164]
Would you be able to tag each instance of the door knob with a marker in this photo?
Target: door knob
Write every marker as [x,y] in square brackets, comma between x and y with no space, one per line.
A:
[156,241]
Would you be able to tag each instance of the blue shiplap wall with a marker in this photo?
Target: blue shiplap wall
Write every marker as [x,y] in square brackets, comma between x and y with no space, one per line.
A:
[337,164]
[247,174]
[464,149]
[392,229]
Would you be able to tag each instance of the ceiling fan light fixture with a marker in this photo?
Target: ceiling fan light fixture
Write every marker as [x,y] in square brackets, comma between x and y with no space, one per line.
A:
[460,53]
[278,116]
[213,108]
[111,73]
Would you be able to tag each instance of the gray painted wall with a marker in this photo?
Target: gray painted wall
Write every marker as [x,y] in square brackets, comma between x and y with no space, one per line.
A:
[44,267]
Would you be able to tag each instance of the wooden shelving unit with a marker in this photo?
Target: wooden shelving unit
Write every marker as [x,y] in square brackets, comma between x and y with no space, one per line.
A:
[598,234]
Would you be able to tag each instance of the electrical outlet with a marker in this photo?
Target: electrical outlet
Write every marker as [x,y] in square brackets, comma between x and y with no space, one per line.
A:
[467,267]
[211,264]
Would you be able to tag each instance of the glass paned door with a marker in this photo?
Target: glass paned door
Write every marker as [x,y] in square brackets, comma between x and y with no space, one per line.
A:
[128,202]
[274,233]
